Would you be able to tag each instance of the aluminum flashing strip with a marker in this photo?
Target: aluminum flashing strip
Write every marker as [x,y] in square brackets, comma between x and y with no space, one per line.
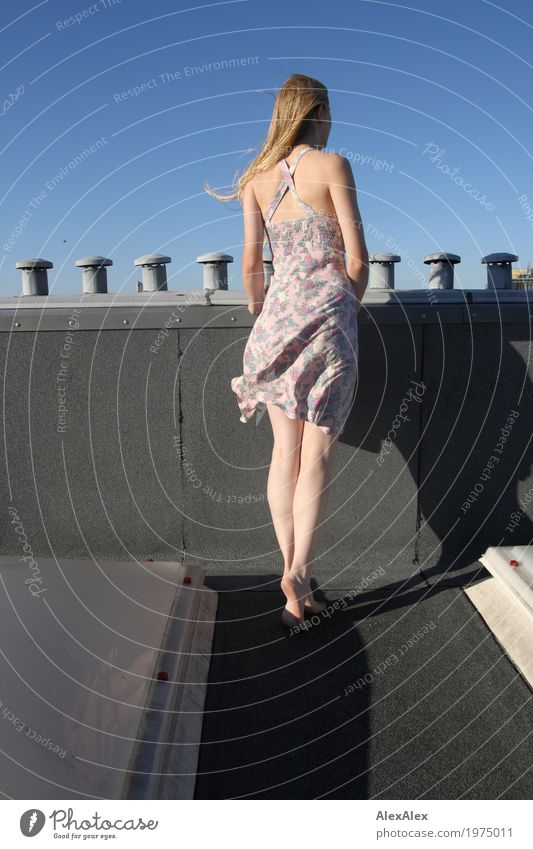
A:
[165,756]
[508,619]
[171,316]
[513,565]
[237,297]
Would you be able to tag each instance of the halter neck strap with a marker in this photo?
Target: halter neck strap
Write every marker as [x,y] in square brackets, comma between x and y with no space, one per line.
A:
[288,182]
[290,168]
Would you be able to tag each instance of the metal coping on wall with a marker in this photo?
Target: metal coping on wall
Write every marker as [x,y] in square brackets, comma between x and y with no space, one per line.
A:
[47,316]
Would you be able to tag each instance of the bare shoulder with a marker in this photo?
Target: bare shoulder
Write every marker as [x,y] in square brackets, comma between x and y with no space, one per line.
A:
[338,167]
[261,184]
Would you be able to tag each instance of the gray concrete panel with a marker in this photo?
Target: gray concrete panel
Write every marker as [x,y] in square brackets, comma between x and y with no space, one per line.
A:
[109,484]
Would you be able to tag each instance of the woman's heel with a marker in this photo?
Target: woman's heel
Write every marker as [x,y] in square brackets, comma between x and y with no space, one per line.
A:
[290,620]
[294,592]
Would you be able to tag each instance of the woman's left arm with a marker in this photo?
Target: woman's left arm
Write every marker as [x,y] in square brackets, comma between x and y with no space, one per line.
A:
[252,256]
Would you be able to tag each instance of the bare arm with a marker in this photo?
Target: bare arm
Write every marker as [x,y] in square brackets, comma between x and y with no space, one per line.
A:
[252,255]
[344,197]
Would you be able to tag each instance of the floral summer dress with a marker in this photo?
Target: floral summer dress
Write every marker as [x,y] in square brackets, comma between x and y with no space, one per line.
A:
[301,354]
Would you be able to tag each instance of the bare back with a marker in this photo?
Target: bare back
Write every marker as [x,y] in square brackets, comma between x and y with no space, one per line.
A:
[311,178]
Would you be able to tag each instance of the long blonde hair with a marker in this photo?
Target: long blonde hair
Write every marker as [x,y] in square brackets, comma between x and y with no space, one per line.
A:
[297,98]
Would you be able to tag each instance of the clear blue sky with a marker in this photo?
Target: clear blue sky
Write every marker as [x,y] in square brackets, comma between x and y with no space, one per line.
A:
[453,76]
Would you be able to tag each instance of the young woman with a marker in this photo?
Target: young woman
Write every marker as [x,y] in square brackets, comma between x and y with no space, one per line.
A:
[300,361]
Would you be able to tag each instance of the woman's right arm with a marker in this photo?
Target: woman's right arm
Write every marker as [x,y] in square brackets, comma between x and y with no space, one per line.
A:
[344,196]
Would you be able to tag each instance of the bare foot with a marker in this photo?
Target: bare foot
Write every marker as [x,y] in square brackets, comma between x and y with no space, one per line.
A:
[291,621]
[294,590]
[312,605]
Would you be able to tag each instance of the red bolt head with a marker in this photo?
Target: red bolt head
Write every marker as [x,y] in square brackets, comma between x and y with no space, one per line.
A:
[513,562]
[162,676]
[187,580]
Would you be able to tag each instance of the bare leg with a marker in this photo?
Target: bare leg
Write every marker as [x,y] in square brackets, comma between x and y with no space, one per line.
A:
[309,507]
[282,478]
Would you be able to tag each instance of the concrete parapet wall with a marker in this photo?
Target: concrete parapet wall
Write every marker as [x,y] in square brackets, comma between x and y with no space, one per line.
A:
[149,458]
